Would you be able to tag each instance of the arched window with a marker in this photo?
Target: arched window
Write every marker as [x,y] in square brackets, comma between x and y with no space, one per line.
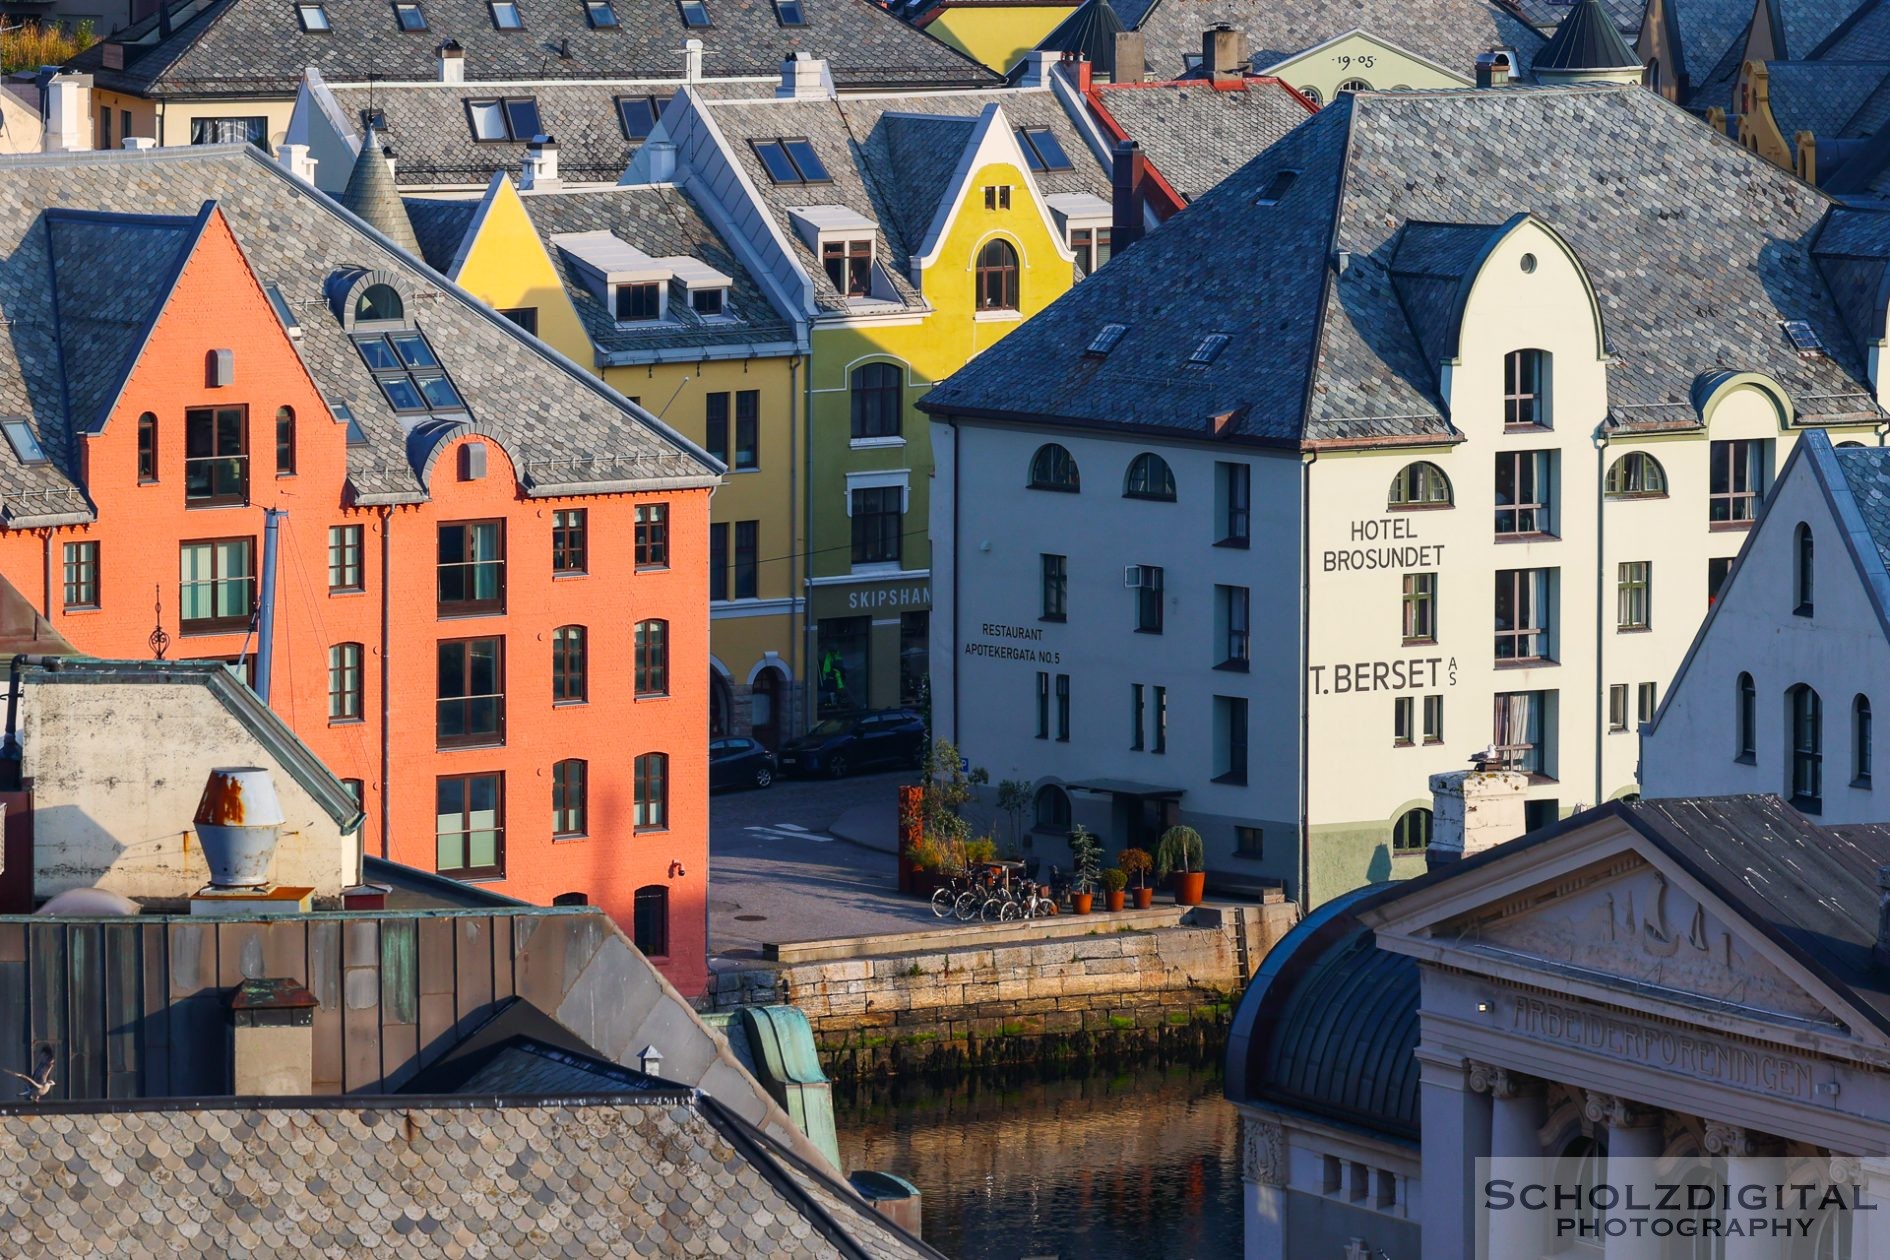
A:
[1149,478]
[652,792]
[1419,485]
[997,276]
[147,448]
[1054,468]
[1802,571]
[877,400]
[379,302]
[1745,721]
[1636,475]
[285,441]
[571,899]
[1053,809]
[570,666]
[1312,94]
[649,930]
[570,812]
[1860,741]
[1411,831]
[652,652]
[1526,389]
[1355,85]
[1807,741]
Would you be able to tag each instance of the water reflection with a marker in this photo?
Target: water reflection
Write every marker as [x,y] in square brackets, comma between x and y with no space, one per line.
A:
[1108,1165]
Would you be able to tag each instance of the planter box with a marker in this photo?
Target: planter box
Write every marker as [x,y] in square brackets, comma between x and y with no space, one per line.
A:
[925,883]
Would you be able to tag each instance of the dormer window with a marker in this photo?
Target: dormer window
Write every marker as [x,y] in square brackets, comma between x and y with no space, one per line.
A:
[791,161]
[639,303]
[409,17]
[600,14]
[695,14]
[377,303]
[314,18]
[849,265]
[515,118]
[408,372]
[505,15]
[709,303]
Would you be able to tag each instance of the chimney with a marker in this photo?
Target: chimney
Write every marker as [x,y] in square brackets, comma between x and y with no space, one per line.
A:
[1474,810]
[692,61]
[138,143]
[1036,69]
[164,19]
[1493,69]
[804,78]
[272,1047]
[1130,64]
[294,159]
[68,113]
[1223,54]
[1128,174]
[541,165]
[661,161]
[237,821]
[1081,73]
[452,62]
[1880,952]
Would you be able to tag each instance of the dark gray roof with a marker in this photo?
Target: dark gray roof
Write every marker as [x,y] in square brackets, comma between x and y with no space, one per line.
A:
[566,431]
[371,195]
[1704,33]
[1864,36]
[1587,39]
[248,48]
[1450,33]
[1827,98]
[1545,15]
[1866,473]
[1323,357]
[1089,32]
[1197,134]
[1805,25]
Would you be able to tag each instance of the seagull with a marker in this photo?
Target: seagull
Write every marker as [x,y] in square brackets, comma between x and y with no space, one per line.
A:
[41,1082]
[1486,759]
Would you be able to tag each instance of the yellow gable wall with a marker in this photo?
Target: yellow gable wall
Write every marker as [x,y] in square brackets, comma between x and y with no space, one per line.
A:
[997,35]
[507,267]
[1319,72]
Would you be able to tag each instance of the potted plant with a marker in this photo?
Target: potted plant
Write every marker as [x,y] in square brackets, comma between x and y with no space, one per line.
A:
[1085,868]
[1136,864]
[1114,881]
[1179,854]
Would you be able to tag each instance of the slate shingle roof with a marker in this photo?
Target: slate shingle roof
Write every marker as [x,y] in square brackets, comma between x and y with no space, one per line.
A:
[249,48]
[1197,135]
[1703,33]
[1865,36]
[1587,39]
[1688,283]
[650,1174]
[1449,32]
[1866,473]
[563,427]
[1828,99]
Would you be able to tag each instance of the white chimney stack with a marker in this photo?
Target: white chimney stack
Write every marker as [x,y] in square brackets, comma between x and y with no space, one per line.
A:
[804,78]
[660,161]
[1474,810]
[294,159]
[68,113]
[138,143]
[541,165]
[1036,72]
[452,62]
[692,61]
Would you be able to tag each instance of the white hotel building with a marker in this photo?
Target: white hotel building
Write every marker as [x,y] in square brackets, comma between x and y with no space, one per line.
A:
[1431,429]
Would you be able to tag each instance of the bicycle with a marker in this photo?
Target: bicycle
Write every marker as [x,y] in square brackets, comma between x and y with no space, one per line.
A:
[945,898]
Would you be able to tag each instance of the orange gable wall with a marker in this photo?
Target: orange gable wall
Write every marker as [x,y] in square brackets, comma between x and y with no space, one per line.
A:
[219,304]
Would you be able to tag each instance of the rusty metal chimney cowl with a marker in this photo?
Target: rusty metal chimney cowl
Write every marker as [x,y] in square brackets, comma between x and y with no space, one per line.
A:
[237,823]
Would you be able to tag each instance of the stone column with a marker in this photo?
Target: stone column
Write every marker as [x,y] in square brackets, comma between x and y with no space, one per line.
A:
[1263,1177]
[1516,1119]
[1633,1134]
[1456,1133]
[1870,1177]
[1745,1153]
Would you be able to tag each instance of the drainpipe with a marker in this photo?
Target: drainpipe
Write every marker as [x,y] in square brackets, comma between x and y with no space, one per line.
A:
[797,645]
[809,679]
[1601,594]
[45,594]
[12,756]
[1306,461]
[387,529]
[266,610]
[958,562]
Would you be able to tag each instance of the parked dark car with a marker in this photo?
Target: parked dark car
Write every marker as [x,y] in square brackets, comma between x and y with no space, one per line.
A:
[857,741]
[739,763]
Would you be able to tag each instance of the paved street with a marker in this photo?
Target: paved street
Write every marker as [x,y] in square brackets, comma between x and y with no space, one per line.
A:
[775,875]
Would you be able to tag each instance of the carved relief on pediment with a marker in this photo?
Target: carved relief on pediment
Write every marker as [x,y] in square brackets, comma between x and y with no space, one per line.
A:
[1638,927]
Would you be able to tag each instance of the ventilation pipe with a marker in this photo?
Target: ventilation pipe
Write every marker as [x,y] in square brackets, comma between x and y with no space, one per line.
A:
[238,820]
[266,604]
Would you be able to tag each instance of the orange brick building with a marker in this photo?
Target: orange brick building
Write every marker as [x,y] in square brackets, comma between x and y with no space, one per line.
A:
[490,607]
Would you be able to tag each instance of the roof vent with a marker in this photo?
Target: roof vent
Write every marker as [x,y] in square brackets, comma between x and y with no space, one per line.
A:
[1105,340]
[1804,338]
[237,821]
[1276,188]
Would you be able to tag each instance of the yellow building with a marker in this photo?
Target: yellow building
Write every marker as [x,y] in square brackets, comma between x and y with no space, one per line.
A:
[995,33]
[635,285]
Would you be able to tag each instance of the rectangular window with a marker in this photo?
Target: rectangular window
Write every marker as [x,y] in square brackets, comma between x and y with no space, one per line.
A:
[344,558]
[570,665]
[708,302]
[81,564]
[652,658]
[1403,721]
[1737,480]
[105,128]
[718,560]
[1717,570]
[409,16]
[1063,708]
[640,303]
[1433,719]
[638,114]
[243,130]
[408,372]
[1137,717]
[344,683]
[1617,707]
[1519,729]
[1525,392]
[1420,608]
[570,806]
[1160,742]
[747,559]
[652,792]
[747,429]
[653,536]
[1524,486]
[216,456]
[570,540]
[915,657]
[1644,704]
[1091,247]
[1056,587]
[471,568]
[1235,642]
[470,827]
[649,921]
[216,585]
[1043,705]
[147,449]
[849,266]
[505,15]
[285,442]
[1230,739]
[497,120]
[1146,579]
[716,439]
[1233,504]
[525,317]
[1634,603]
[1524,614]
[470,704]
[878,521]
[1250,842]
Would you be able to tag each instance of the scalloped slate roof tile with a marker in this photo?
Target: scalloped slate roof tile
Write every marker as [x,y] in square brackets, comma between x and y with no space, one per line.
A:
[1197,135]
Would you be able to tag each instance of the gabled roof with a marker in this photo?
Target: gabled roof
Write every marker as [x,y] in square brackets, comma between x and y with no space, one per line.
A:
[1089,32]
[251,48]
[1834,100]
[1321,355]
[1864,36]
[1705,33]
[1196,133]
[1587,39]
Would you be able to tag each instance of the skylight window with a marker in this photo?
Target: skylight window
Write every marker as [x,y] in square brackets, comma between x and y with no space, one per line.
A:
[20,437]
[1106,340]
[408,372]
[1042,149]
[357,436]
[314,18]
[375,118]
[694,13]
[600,15]
[1804,338]
[1209,349]
[790,13]
[1276,188]
[409,17]
[638,114]
[284,312]
[515,118]
[505,15]
[791,161]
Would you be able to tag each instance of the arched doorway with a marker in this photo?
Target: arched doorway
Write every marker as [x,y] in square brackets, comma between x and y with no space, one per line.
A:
[765,696]
[721,704]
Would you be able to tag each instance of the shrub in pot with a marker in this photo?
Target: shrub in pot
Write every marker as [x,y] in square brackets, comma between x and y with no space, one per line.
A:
[1114,881]
[1136,865]
[1179,854]
[1085,867]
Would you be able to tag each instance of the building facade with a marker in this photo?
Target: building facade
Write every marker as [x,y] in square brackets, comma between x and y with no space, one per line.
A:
[1440,486]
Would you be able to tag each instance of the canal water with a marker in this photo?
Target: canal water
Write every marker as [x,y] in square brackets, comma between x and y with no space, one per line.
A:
[1101,1163]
